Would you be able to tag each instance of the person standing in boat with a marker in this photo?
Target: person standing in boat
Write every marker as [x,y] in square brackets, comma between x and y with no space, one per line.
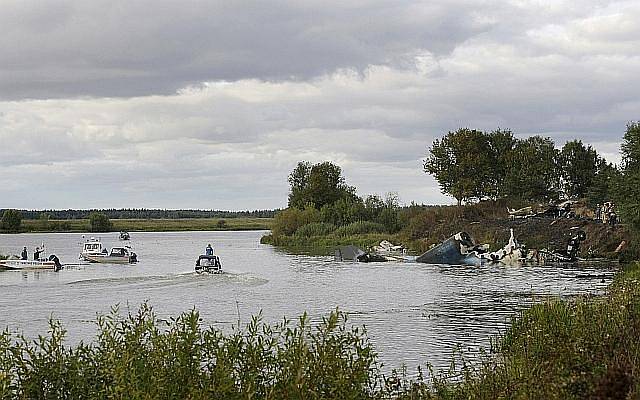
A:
[209,250]
[24,255]
[36,254]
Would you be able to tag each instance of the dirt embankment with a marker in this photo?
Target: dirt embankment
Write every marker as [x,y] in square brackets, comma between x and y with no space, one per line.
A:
[489,223]
[552,234]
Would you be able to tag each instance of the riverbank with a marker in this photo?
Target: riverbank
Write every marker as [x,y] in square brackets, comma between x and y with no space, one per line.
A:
[151,225]
[487,222]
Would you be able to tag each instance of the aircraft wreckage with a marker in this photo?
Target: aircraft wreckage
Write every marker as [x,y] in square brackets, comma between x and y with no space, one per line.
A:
[460,249]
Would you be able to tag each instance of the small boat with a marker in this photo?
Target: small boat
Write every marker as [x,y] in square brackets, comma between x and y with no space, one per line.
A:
[124,235]
[42,263]
[118,255]
[92,248]
[208,264]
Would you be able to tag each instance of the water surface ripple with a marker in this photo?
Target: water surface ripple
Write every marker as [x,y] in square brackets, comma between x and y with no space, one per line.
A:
[414,313]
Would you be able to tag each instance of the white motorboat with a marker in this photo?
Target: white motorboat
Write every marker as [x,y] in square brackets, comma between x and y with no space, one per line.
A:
[208,264]
[118,255]
[93,248]
[42,263]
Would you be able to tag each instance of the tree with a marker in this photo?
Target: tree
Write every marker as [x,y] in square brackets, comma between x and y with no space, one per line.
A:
[579,165]
[603,185]
[99,222]
[11,221]
[319,184]
[533,173]
[630,147]
[299,179]
[501,143]
[628,186]
[461,162]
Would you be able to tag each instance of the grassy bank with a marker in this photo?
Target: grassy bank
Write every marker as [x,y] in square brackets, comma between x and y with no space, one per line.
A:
[562,349]
[152,225]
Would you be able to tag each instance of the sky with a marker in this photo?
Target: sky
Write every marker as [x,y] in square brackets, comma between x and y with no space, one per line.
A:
[211,104]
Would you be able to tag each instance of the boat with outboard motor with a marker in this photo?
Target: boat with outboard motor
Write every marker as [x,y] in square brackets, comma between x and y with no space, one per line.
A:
[92,248]
[118,255]
[208,263]
[41,263]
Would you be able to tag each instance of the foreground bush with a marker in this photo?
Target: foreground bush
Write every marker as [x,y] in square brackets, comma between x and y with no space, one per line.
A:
[585,348]
[139,357]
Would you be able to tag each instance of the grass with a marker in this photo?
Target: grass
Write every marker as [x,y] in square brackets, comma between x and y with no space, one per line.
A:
[153,225]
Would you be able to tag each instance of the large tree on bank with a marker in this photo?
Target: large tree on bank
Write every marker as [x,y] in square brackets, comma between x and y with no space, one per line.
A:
[580,165]
[628,185]
[461,163]
[318,185]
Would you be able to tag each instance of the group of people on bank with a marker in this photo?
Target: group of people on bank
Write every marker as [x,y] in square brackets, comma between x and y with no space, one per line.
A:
[606,213]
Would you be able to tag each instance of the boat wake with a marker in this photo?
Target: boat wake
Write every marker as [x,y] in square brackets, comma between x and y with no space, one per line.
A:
[189,278]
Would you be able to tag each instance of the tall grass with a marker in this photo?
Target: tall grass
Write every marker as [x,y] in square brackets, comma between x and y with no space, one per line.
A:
[315,229]
[360,227]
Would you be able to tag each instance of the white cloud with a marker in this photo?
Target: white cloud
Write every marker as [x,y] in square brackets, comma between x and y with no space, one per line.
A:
[557,70]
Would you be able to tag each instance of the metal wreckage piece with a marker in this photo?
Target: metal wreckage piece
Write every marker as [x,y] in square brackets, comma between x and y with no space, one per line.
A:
[460,249]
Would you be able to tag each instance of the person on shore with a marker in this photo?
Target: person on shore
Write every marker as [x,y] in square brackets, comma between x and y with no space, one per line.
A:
[598,212]
[209,250]
[24,255]
[605,213]
[36,254]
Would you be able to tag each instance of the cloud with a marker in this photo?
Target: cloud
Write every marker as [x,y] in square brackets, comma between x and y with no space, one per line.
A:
[212,106]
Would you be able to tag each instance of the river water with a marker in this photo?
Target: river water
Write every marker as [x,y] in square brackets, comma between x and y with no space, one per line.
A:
[414,313]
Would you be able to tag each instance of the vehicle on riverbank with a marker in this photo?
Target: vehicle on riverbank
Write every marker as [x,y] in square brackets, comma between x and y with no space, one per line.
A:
[118,255]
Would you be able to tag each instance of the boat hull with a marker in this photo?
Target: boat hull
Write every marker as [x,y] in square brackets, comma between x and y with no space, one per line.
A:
[109,259]
[27,265]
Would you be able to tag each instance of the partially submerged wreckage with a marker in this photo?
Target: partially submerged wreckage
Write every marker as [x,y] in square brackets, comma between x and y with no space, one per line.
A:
[386,251]
[460,249]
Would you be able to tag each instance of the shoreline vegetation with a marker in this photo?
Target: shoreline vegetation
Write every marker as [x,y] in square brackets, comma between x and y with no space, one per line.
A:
[559,349]
[147,225]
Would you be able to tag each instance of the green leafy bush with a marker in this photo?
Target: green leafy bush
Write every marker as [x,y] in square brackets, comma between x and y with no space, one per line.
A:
[287,222]
[138,357]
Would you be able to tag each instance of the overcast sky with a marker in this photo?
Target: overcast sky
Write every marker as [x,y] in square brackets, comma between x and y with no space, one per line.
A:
[210,104]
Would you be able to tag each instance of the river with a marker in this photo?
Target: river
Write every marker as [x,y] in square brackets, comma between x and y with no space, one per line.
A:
[414,313]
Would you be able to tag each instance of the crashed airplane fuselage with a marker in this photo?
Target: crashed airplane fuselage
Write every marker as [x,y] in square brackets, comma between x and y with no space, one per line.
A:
[460,249]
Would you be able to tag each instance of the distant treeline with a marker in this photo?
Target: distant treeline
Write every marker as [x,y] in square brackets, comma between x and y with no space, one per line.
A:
[143,213]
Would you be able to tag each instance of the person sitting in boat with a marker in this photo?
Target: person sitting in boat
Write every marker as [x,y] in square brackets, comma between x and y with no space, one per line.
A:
[24,254]
[209,250]
[36,254]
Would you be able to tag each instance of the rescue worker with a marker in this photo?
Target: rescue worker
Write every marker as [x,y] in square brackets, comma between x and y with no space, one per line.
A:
[36,254]
[24,254]
[209,250]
